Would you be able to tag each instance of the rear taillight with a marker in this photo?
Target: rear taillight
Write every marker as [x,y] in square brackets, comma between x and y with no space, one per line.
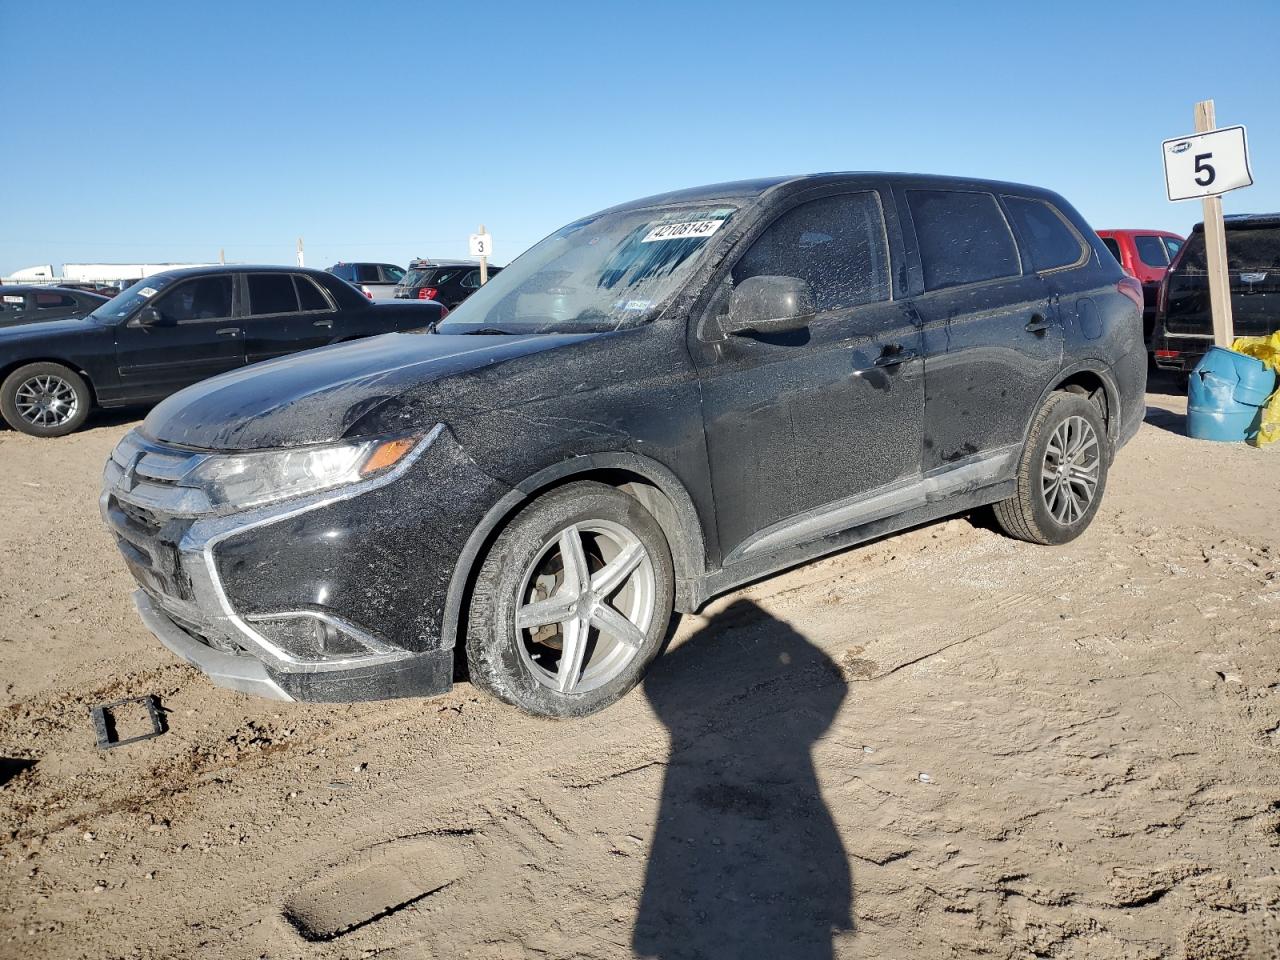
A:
[427,293]
[1132,289]
[367,292]
[1167,354]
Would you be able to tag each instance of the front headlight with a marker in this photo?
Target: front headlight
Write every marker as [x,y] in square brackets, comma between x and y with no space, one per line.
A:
[252,479]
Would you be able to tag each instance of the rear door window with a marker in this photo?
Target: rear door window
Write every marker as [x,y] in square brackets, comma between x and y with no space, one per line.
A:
[962,236]
[1050,242]
[835,243]
[344,270]
[1114,246]
[271,293]
[309,295]
[1151,250]
[367,273]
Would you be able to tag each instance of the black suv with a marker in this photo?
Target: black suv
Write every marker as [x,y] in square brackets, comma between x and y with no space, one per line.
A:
[445,281]
[1184,321]
[172,329]
[651,406]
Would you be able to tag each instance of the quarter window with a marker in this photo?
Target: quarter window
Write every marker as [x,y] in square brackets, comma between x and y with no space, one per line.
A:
[1151,251]
[1111,244]
[53,301]
[471,281]
[1173,245]
[208,298]
[1050,243]
[309,295]
[837,244]
[271,293]
[963,237]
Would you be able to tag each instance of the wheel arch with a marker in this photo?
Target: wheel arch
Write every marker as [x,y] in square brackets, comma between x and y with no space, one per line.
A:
[1092,380]
[654,486]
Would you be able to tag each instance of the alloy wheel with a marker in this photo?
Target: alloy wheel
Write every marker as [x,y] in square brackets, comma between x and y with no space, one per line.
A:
[585,606]
[46,400]
[1069,474]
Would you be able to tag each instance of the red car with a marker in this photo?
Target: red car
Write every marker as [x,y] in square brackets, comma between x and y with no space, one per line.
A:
[1145,255]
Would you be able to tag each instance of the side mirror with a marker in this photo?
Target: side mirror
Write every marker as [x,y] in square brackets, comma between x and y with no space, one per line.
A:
[769,304]
[149,317]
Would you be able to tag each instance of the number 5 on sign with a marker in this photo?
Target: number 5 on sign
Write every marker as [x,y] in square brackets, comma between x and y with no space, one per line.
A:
[481,245]
[1207,164]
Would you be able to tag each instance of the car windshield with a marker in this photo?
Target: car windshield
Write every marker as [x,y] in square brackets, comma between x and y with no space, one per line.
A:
[130,299]
[602,273]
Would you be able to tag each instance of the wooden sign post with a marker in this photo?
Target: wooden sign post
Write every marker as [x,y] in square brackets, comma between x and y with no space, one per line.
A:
[1215,246]
[1203,166]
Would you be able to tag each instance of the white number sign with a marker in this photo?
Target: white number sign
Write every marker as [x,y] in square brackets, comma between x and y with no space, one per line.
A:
[1206,164]
[481,245]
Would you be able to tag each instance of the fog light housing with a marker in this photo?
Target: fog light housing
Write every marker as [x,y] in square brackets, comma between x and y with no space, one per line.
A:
[310,637]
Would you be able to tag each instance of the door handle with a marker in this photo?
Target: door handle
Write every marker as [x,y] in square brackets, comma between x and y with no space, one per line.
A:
[227,331]
[322,323]
[1038,324]
[894,355]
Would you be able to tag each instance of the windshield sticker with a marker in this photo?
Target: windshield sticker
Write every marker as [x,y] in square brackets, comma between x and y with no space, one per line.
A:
[682,231]
[633,305]
[8,299]
[147,292]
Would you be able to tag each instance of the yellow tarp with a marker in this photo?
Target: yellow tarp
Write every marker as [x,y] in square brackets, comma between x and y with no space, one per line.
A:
[1266,349]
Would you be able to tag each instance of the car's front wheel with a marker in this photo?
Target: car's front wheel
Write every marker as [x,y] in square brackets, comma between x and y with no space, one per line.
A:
[45,400]
[1062,474]
[572,602]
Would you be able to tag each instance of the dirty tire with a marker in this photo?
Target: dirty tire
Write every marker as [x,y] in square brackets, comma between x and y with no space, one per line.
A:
[52,373]
[497,652]
[1026,515]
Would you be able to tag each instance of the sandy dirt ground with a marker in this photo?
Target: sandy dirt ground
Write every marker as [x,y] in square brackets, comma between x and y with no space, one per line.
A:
[943,744]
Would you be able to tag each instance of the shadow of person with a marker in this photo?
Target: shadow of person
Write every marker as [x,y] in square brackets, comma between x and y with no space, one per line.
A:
[746,860]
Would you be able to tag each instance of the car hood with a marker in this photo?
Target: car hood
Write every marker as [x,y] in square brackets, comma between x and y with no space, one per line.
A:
[66,327]
[397,380]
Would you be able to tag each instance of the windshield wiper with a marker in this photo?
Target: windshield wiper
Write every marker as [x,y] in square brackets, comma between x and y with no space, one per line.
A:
[485,332]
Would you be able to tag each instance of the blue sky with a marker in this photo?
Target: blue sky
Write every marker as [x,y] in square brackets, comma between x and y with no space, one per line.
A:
[164,131]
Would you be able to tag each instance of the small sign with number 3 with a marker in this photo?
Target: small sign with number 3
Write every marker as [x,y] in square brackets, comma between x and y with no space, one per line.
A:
[481,245]
[1206,164]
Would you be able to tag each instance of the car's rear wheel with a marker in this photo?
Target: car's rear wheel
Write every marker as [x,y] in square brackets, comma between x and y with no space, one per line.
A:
[1062,474]
[572,602]
[45,400]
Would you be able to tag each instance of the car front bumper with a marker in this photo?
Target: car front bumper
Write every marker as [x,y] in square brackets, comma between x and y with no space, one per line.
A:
[334,597]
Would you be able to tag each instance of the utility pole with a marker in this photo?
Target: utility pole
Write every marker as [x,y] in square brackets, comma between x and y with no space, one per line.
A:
[1215,245]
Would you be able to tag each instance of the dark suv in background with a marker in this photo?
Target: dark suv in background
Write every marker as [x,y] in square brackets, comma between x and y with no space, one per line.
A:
[1184,321]
[376,280]
[651,406]
[445,281]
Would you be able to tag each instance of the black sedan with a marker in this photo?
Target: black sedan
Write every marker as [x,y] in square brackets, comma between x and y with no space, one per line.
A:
[30,304]
[173,329]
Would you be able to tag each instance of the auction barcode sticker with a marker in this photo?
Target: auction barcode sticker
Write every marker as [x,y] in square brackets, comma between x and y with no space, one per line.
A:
[9,299]
[682,231]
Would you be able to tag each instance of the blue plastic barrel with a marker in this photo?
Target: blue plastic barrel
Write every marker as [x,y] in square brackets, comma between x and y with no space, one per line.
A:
[1224,396]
